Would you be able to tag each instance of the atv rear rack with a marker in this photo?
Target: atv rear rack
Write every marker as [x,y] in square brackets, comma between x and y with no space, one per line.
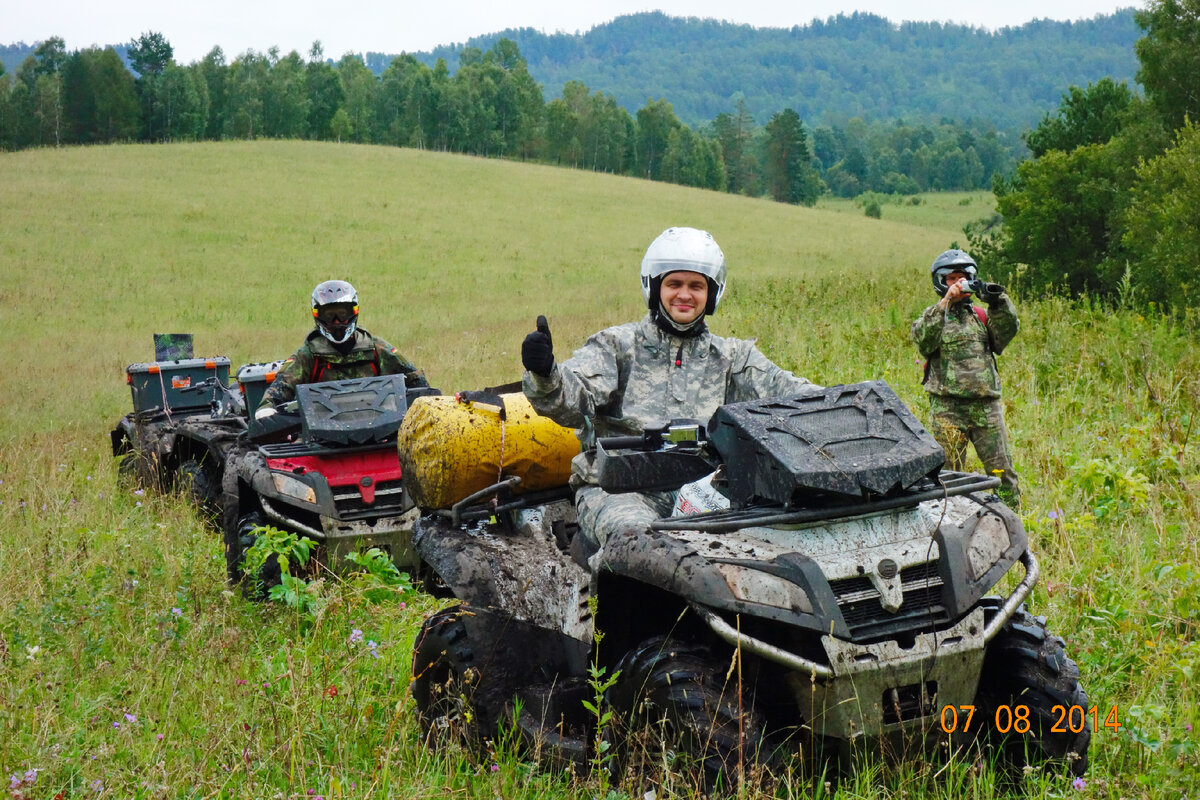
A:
[951,484]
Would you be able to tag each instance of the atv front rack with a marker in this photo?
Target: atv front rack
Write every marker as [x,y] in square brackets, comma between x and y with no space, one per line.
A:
[950,484]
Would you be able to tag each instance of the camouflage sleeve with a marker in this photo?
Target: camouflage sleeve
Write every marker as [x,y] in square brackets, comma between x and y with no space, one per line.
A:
[757,377]
[926,332]
[1002,323]
[575,388]
[295,371]
[393,362]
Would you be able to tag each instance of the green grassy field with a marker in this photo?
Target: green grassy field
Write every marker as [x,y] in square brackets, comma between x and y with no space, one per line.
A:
[127,669]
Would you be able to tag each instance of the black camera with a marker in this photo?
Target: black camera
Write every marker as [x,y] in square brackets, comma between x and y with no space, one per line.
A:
[987,292]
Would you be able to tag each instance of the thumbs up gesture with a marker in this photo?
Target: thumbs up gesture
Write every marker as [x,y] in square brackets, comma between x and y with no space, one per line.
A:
[537,351]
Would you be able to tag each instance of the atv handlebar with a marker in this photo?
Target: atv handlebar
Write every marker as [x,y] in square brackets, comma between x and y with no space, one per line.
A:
[684,433]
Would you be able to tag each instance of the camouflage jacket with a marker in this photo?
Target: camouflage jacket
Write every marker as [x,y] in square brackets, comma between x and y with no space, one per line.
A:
[317,360]
[961,350]
[627,378]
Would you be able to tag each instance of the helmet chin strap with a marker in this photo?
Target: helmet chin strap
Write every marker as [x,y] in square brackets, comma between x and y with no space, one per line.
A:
[664,321]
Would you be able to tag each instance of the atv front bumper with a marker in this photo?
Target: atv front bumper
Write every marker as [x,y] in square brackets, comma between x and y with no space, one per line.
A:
[884,689]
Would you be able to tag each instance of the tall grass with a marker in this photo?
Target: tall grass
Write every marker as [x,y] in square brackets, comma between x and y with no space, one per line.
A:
[128,670]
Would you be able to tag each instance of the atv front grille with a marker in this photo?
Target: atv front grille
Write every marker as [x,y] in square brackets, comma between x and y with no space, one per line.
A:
[389,499]
[921,611]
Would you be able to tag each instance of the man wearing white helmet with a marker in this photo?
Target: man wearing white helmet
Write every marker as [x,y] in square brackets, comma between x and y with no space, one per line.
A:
[336,349]
[644,374]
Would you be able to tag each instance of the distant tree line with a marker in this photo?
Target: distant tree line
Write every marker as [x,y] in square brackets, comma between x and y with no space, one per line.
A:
[831,70]
[1109,203]
[490,106]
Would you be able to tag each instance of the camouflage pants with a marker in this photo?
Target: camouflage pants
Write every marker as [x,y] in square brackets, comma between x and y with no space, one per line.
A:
[955,421]
[603,515]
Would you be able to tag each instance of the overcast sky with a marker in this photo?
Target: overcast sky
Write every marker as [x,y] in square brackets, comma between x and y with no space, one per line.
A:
[193,27]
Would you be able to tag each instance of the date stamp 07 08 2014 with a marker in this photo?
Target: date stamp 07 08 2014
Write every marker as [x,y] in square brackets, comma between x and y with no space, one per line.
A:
[1016,719]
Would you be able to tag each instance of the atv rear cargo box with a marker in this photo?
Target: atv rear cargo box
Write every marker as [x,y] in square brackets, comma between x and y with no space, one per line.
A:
[162,385]
[254,380]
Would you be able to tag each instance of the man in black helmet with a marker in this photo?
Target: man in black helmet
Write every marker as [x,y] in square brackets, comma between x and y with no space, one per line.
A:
[960,342]
[336,349]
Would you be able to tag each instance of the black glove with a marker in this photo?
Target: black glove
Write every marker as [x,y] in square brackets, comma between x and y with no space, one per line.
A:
[537,351]
[990,292]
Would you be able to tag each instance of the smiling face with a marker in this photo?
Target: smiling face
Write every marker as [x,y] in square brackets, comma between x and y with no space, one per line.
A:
[684,295]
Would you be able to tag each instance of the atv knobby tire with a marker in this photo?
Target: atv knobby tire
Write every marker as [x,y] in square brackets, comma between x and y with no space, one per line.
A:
[1027,668]
[198,479]
[679,714]
[134,470]
[239,539]
[445,678]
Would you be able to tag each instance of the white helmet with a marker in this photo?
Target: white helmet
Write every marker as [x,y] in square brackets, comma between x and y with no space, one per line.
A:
[688,249]
[335,310]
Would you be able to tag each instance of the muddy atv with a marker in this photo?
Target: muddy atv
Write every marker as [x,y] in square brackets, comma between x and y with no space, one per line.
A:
[186,419]
[848,601]
[325,468]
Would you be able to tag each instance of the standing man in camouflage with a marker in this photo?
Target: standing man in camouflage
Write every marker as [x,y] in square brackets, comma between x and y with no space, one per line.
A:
[336,349]
[642,374]
[960,342]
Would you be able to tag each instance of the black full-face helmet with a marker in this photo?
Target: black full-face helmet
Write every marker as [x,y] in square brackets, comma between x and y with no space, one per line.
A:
[335,310]
[948,263]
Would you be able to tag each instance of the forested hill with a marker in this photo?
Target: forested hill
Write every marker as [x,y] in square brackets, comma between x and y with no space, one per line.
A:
[829,71]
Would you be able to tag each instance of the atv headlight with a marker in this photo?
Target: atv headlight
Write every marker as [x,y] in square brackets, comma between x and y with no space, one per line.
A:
[288,486]
[987,544]
[754,586]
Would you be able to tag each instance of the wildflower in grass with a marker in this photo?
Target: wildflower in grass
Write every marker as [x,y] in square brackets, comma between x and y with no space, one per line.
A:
[116,724]
[331,691]
[97,786]
[14,781]
[160,737]
[495,767]
[356,636]
[1053,515]
[371,645]
[130,718]
[177,612]
[31,776]
[240,682]
[139,492]
[1078,784]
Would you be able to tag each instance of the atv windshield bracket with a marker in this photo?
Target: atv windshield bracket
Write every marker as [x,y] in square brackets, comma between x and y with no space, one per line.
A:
[1016,598]
[735,638]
